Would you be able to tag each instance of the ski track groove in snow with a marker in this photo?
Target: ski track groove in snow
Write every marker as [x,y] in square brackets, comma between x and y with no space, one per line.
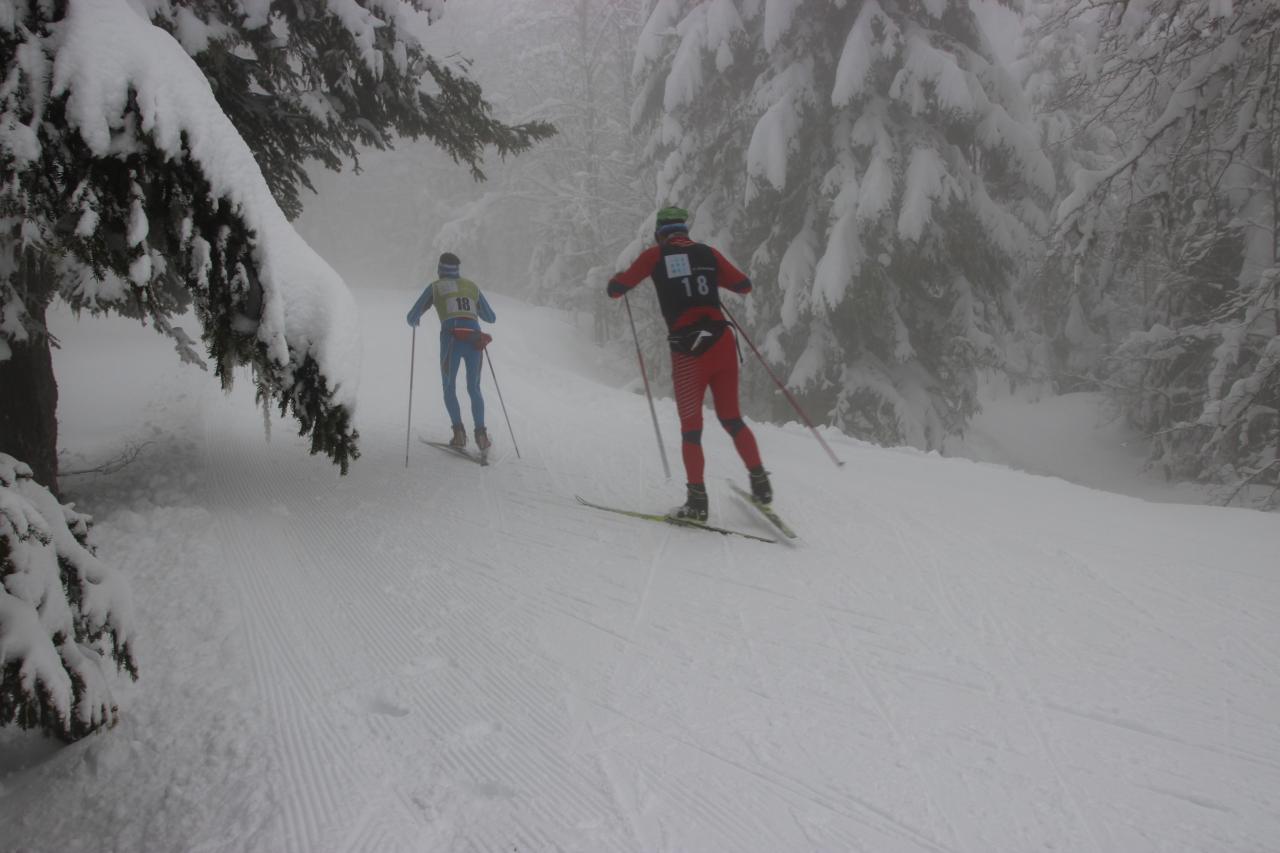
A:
[1156,624]
[275,660]
[833,799]
[852,807]
[738,830]
[902,742]
[1105,597]
[505,693]
[1031,706]
[915,551]
[266,568]
[928,564]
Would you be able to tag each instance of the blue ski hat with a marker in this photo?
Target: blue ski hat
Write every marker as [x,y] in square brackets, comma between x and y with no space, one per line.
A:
[449,266]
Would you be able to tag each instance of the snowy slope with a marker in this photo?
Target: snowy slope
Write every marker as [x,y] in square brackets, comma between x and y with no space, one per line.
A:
[956,656]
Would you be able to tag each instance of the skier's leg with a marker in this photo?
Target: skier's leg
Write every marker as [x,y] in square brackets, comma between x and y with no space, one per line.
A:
[724,394]
[450,357]
[473,357]
[690,387]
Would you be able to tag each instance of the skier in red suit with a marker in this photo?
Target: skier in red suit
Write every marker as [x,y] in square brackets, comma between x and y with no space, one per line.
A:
[688,276]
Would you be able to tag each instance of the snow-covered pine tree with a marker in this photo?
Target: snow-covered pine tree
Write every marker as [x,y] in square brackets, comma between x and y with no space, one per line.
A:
[312,80]
[1068,313]
[124,187]
[879,169]
[63,614]
[1189,88]
[1085,302]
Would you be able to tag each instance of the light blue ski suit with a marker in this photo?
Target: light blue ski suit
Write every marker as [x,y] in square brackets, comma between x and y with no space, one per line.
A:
[460,305]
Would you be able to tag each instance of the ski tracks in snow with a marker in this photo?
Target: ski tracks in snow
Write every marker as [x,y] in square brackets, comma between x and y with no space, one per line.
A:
[456,658]
[460,658]
[395,649]
[1081,694]
[304,652]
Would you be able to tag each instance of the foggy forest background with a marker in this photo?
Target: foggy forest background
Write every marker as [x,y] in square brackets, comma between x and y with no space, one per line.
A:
[930,197]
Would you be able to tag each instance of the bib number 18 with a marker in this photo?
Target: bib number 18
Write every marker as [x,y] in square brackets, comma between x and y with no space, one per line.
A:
[703,287]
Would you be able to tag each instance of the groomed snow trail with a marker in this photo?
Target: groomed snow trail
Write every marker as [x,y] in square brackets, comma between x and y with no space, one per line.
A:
[443,657]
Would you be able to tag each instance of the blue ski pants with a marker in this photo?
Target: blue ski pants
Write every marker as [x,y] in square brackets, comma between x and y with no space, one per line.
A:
[454,352]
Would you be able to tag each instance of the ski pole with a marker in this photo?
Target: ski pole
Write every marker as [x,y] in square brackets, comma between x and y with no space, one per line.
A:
[413,348]
[778,382]
[494,374]
[645,376]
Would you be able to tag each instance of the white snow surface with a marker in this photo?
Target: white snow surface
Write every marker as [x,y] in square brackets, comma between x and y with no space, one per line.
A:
[955,656]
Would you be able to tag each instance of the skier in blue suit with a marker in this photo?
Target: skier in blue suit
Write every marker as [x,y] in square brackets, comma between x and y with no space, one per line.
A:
[461,306]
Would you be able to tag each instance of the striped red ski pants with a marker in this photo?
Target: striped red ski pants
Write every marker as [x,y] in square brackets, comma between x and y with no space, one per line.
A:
[716,369]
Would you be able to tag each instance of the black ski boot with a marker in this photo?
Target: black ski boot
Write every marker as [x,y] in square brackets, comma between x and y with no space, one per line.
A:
[459,436]
[760,488]
[482,439]
[695,506]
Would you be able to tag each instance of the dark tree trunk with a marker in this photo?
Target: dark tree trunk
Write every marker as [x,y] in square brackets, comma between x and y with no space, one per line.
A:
[29,404]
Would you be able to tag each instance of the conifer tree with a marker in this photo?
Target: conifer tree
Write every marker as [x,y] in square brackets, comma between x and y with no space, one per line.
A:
[1182,215]
[877,167]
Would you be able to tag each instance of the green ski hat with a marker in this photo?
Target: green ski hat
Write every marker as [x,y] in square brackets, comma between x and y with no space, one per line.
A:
[672,214]
[671,219]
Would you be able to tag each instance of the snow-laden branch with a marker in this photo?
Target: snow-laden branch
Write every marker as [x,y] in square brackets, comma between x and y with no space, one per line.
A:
[64,614]
[129,84]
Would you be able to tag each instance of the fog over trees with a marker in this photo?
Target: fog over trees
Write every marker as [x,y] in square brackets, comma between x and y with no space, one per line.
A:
[1163,269]
[929,196]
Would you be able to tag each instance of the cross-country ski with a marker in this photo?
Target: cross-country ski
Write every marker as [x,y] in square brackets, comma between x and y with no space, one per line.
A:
[673,520]
[766,510]
[480,457]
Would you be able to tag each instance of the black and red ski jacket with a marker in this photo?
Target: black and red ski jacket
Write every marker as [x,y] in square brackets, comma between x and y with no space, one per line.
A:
[688,277]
